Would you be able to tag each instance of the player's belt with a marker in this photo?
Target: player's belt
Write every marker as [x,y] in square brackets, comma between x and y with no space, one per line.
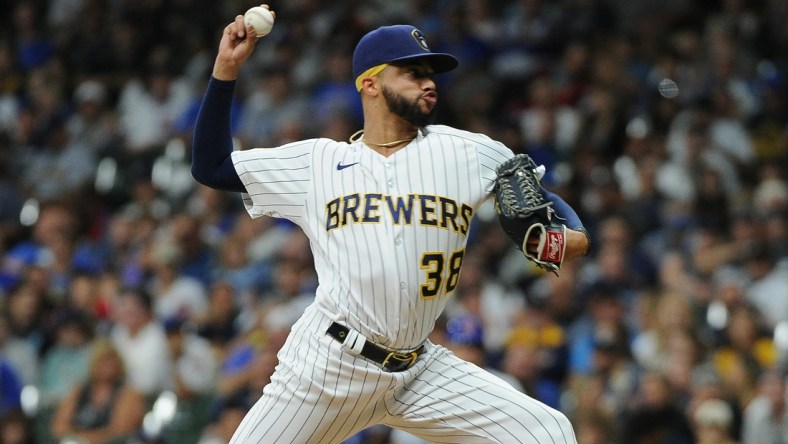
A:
[390,360]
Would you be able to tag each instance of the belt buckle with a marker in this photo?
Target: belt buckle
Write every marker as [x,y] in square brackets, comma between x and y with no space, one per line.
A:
[403,361]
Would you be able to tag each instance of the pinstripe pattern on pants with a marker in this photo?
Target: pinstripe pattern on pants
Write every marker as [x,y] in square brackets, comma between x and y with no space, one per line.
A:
[443,399]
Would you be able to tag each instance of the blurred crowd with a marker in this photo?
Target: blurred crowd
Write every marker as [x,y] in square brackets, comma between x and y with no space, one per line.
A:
[138,306]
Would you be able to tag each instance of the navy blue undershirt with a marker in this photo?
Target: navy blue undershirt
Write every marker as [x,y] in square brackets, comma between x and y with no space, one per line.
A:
[212,142]
[564,211]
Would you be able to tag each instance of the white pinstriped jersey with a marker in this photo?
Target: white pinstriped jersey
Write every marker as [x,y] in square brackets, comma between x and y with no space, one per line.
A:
[388,234]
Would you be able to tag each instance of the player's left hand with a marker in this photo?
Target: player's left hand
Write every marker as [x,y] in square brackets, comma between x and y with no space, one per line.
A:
[526,215]
[532,243]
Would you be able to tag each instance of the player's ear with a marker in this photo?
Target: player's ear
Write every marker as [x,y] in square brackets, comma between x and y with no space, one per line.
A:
[369,86]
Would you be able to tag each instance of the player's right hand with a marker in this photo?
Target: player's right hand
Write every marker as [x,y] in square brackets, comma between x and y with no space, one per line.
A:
[236,46]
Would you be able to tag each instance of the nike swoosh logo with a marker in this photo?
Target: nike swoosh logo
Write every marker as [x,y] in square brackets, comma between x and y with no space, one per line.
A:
[341,167]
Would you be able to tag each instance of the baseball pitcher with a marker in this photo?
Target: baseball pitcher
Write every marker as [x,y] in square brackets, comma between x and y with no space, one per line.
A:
[388,215]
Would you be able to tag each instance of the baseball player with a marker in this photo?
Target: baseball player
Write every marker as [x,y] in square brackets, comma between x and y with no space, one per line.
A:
[387,215]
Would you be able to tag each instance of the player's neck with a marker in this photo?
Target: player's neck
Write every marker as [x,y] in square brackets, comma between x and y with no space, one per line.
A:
[386,140]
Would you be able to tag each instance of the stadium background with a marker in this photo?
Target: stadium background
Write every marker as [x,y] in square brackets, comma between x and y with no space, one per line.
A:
[664,123]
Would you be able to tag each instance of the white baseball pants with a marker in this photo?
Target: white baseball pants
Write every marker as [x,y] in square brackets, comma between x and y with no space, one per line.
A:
[323,393]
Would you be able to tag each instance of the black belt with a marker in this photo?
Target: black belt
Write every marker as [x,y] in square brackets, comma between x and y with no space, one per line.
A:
[389,360]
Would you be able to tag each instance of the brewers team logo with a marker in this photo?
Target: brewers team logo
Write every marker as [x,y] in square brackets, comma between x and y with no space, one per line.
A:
[419,37]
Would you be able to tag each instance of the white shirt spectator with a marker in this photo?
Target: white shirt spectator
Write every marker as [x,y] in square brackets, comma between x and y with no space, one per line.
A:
[185,297]
[197,366]
[146,356]
[763,293]
[146,119]
[765,419]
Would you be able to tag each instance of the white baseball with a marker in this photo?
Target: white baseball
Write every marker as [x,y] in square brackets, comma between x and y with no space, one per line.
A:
[260,19]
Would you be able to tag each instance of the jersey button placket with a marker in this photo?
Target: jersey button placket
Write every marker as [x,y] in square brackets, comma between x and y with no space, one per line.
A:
[389,175]
[389,170]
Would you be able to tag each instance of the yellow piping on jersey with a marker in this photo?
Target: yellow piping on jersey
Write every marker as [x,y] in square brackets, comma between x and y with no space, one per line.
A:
[371,72]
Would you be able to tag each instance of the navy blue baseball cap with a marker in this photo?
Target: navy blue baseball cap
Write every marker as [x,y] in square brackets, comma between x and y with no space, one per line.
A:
[397,43]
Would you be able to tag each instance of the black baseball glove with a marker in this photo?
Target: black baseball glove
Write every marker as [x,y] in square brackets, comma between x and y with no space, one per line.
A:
[524,212]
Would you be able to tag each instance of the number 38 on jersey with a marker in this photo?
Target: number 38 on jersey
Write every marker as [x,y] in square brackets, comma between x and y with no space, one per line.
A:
[443,272]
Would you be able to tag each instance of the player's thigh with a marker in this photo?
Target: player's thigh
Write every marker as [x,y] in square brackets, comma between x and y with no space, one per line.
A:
[318,394]
[453,401]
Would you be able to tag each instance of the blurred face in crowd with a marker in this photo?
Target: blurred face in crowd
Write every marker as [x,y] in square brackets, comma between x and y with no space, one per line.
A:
[772,386]
[106,365]
[521,361]
[654,390]
[132,312]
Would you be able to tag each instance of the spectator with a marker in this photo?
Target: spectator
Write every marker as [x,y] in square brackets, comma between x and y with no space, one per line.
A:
[195,370]
[746,352]
[613,364]
[220,430]
[707,385]
[465,338]
[66,363]
[16,428]
[25,313]
[93,124]
[197,257]
[53,221]
[61,166]
[766,416]
[20,354]
[218,324]
[82,295]
[103,408]
[594,427]
[247,277]
[148,107]
[287,299]
[536,355]
[10,387]
[479,294]
[670,314]
[33,47]
[653,416]
[769,277]
[142,344]
[550,128]
[604,309]
[175,295]
[195,364]
[712,422]
[269,106]
[246,369]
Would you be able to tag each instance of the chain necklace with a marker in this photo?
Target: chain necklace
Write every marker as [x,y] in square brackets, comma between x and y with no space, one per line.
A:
[358,135]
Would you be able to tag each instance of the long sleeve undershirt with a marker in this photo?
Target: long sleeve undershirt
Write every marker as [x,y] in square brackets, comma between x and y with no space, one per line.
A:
[212,143]
[564,210]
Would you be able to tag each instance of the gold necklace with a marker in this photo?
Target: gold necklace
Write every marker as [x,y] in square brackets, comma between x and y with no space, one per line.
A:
[358,135]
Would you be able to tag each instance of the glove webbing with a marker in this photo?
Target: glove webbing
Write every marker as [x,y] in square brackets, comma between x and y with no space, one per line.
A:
[510,200]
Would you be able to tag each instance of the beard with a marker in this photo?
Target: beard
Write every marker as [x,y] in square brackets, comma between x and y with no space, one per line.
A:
[409,111]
